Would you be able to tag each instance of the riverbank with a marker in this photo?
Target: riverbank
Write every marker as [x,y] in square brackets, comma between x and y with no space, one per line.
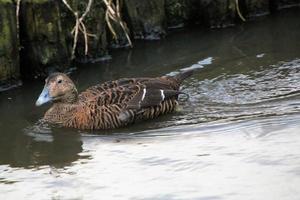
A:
[36,36]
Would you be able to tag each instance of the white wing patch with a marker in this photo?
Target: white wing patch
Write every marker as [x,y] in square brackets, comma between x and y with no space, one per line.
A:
[162,95]
[144,94]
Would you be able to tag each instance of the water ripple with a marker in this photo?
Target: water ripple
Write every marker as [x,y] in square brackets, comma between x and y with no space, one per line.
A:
[270,92]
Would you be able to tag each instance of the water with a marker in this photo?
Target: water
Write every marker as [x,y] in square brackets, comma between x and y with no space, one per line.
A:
[238,137]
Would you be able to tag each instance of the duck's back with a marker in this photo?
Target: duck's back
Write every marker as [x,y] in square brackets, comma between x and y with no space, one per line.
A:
[126,86]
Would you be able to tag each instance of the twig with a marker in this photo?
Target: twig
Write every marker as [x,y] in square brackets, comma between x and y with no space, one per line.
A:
[18,17]
[110,26]
[85,37]
[113,13]
[75,35]
[18,13]
[88,8]
[80,27]
[238,10]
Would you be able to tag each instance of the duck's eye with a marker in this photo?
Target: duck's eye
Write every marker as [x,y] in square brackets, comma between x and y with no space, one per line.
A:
[59,81]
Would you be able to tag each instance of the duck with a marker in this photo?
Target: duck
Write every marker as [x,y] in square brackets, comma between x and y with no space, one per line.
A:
[112,104]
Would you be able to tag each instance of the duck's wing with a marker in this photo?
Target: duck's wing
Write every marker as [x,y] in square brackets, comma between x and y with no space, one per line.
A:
[125,87]
[117,85]
[94,91]
[133,95]
[152,93]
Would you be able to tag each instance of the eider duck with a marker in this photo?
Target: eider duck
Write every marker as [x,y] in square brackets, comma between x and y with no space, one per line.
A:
[112,104]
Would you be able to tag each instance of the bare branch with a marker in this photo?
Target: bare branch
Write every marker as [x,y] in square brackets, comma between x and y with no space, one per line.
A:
[87,10]
[75,35]
[238,10]
[113,13]
[68,6]
[80,27]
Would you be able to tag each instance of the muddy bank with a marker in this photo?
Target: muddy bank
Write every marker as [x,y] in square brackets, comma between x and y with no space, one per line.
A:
[45,41]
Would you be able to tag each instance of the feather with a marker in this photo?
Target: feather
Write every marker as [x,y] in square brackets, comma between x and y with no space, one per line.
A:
[150,97]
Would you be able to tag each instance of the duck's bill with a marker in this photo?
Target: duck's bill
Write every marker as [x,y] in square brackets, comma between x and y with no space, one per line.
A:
[44,97]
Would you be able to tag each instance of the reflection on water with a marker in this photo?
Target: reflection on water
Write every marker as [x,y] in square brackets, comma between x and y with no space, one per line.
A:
[237,137]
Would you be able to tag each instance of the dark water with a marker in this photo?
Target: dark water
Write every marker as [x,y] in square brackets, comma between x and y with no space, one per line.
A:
[238,137]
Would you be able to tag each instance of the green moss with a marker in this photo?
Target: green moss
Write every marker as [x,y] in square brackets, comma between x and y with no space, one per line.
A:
[39,1]
[147,18]
[6,1]
[5,33]
[50,27]
[4,29]
[176,12]
[9,65]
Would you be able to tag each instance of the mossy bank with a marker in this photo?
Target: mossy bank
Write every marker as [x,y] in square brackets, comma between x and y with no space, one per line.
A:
[44,40]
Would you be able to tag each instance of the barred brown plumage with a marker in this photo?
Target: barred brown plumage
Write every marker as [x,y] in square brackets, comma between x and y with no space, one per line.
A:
[111,104]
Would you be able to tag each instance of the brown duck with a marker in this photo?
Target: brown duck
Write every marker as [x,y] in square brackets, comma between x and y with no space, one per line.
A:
[111,104]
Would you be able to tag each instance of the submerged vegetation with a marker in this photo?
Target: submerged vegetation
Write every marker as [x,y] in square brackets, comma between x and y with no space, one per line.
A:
[39,36]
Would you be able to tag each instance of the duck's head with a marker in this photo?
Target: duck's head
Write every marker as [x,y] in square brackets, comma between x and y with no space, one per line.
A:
[59,88]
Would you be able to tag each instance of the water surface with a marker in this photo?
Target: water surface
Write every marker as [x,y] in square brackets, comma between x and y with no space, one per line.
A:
[238,136]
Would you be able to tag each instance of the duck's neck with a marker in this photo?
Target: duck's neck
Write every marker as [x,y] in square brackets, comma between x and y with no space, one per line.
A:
[69,98]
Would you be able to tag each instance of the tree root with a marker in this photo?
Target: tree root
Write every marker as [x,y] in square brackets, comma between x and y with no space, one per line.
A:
[80,27]
[113,13]
[238,10]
